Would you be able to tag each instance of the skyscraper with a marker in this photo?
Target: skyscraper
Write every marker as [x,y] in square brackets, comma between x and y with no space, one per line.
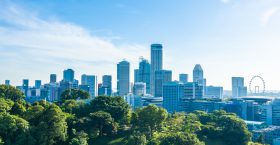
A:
[161,77]
[123,80]
[25,86]
[156,64]
[38,84]
[238,88]
[53,78]
[68,75]
[183,78]
[197,73]
[198,77]
[172,93]
[139,89]
[107,83]
[7,82]
[91,81]
[143,73]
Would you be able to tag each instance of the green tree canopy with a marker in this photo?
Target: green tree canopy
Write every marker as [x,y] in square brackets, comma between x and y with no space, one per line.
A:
[10,92]
[179,139]
[103,122]
[116,106]
[6,105]
[74,94]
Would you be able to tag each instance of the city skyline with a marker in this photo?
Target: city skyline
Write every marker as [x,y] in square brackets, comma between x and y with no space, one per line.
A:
[221,51]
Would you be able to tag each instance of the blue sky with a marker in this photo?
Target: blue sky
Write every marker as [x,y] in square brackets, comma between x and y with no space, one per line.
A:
[227,37]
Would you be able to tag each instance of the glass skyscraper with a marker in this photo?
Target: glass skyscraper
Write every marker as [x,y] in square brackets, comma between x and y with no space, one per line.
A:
[91,81]
[142,74]
[53,78]
[38,84]
[123,78]
[197,73]
[238,88]
[172,93]
[183,78]
[161,77]
[156,64]
[68,75]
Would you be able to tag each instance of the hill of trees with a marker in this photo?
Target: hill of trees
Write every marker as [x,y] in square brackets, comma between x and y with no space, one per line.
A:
[110,120]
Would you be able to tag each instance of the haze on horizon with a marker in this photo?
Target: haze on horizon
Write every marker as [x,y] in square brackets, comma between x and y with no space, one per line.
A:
[227,37]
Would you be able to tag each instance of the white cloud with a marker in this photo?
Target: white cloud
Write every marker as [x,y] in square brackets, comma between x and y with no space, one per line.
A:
[44,44]
[268,14]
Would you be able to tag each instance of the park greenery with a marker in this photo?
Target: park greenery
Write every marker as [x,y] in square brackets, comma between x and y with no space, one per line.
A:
[110,120]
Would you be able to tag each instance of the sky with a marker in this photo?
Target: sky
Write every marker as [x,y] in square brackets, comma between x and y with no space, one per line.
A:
[227,37]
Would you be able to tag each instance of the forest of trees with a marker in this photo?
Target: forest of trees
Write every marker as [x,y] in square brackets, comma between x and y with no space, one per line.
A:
[74,122]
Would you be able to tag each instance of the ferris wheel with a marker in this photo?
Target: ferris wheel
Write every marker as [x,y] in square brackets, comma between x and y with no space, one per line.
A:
[257,85]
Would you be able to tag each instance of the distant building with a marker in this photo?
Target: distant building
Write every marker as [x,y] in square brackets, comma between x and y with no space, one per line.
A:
[199,78]
[156,64]
[183,78]
[25,86]
[270,134]
[139,89]
[271,112]
[214,92]
[134,101]
[91,82]
[172,93]
[142,74]
[68,75]
[38,84]
[107,85]
[238,88]
[123,78]
[53,78]
[161,77]
[193,91]
[136,75]
[7,82]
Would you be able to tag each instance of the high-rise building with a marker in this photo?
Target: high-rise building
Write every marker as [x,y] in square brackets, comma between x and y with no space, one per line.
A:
[107,83]
[25,86]
[183,78]
[139,89]
[238,88]
[136,75]
[7,82]
[214,92]
[53,78]
[142,74]
[123,78]
[197,73]
[156,64]
[172,93]
[198,77]
[193,91]
[68,75]
[38,84]
[91,82]
[161,77]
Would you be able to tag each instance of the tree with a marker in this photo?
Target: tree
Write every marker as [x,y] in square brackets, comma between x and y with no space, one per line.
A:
[74,94]
[13,129]
[261,139]
[179,139]
[18,109]
[5,105]
[52,127]
[103,122]
[116,106]
[1,141]
[149,119]
[137,139]
[80,138]
[10,92]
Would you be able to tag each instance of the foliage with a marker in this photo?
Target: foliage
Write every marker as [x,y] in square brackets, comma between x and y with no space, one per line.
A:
[10,92]
[116,106]
[6,105]
[137,139]
[80,138]
[179,139]
[74,94]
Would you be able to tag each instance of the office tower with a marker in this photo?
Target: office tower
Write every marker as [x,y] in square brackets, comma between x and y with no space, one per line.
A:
[25,86]
[183,78]
[68,75]
[136,75]
[7,82]
[238,88]
[161,77]
[91,82]
[142,74]
[156,64]
[197,73]
[193,91]
[270,112]
[38,84]
[123,75]
[139,89]
[107,83]
[172,93]
[214,92]
[53,78]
